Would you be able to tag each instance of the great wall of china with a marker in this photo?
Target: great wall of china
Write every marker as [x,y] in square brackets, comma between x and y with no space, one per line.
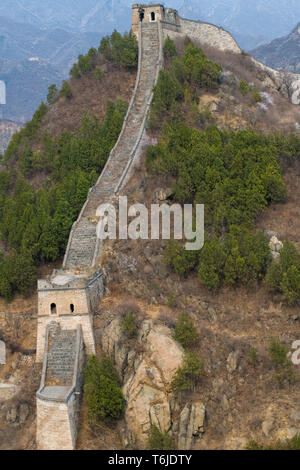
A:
[68,298]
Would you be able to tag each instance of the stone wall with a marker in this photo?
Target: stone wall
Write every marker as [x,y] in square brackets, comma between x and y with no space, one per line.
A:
[54,431]
[58,406]
[203,32]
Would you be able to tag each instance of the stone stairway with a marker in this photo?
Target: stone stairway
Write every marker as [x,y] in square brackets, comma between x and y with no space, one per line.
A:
[82,246]
[61,358]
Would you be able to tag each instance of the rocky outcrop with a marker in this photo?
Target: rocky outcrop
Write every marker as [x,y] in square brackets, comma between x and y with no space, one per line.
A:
[275,247]
[147,370]
[7,130]
[191,424]
[2,353]
[275,244]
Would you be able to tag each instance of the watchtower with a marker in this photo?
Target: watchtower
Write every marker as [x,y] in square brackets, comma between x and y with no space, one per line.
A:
[147,13]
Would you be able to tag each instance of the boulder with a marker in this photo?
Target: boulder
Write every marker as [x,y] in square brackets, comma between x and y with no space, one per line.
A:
[113,343]
[23,413]
[2,353]
[162,194]
[275,244]
[232,361]
[191,424]
[147,376]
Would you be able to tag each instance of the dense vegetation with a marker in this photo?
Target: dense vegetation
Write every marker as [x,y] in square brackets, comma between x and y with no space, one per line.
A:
[185,331]
[188,374]
[121,50]
[117,49]
[185,75]
[159,440]
[36,225]
[102,390]
[288,444]
[236,175]
[284,276]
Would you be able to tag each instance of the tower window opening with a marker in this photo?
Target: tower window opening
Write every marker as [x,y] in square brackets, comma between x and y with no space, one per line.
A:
[141,14]
[53,309]
[72,308]
[152,16]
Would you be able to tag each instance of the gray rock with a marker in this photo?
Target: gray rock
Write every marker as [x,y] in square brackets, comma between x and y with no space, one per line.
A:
[232,361]
[23,413]
[225,403]
[12,414]
[212,314]
[191,424]
[2,352]
[267,426]
[227,78]
[162,194]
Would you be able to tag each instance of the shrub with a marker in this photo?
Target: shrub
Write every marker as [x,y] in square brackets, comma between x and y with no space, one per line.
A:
[244,87]
[84,63]
[159,440]
[169,48]
[121,50]
[188,375]
[92,52]
[66,90]
[255,95]
[102,392]
[253,356]
[185,332]
[284,275]
[181,260]
[201,71]
[128,325]
[75,72]
[288,444]
[278,353]
[166,94]
[98,74]
[52,93]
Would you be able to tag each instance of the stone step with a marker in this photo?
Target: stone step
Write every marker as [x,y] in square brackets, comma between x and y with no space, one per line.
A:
[82,242]
[61,357]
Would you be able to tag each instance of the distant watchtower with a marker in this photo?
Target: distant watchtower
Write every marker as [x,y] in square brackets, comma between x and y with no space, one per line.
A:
[146,13]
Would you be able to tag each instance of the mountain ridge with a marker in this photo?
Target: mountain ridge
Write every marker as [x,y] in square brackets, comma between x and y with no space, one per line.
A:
[283,52]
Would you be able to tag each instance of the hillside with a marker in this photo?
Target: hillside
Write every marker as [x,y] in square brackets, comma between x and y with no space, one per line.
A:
[223,135]
[7,129]
[282,53]
[32,59]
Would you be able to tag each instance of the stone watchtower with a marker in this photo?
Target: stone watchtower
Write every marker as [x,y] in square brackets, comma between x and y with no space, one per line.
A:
[147,14]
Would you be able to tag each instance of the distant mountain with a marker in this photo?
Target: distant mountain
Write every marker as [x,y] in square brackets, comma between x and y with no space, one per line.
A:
[70,15]
[32,58]
[56,31]
[255,20]
[27,83]
[282,52]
